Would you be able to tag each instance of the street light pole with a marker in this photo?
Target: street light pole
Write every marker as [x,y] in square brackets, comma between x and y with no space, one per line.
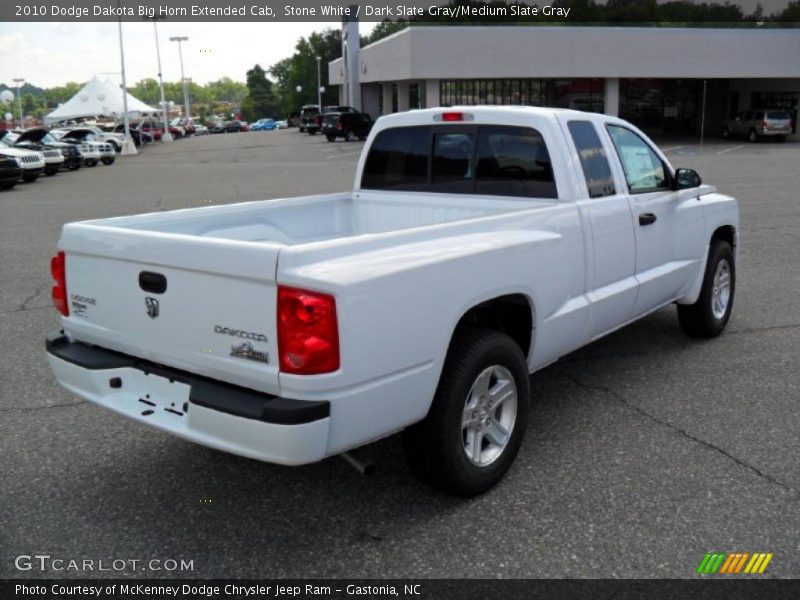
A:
[179,39]
[128,147]
[19,81]
[319,86]
[166,137]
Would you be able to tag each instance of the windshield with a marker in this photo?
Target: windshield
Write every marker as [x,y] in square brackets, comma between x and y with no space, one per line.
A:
[48,139]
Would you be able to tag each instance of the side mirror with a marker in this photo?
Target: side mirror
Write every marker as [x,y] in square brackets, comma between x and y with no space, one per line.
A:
[685,179]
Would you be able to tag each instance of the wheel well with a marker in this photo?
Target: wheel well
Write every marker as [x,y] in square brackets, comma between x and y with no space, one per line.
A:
[725,233]
[511,314]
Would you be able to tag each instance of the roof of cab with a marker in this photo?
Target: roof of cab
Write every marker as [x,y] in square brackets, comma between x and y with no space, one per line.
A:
[426,115]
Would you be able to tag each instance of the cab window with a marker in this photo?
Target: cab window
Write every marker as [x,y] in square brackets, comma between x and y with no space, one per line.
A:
[644,170]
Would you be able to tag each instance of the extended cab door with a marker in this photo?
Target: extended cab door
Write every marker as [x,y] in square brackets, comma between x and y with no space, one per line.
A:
[608,230]
[668,224]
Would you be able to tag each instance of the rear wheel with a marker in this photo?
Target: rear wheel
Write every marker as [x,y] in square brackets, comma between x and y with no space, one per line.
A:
[752,136]
[349,136]
[726,133]
[477,418]
[707,317]
[330,138]
[91,162]
[108,160]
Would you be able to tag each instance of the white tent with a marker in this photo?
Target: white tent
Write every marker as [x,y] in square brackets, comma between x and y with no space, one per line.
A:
[98,98]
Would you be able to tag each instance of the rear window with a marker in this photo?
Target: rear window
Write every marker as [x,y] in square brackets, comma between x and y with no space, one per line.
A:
[398,159]
[777,115]
[486,159]
[594,161]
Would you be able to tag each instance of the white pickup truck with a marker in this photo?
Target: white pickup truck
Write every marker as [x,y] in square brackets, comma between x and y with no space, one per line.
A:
[478,245]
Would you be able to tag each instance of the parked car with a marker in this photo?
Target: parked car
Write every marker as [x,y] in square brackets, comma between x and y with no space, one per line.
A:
[32,162]
[264,125]
[479,245]
[186,126]
[10,170]
[216,126]
[347,125]
[233,127]
[293,120]
[309,114]
[138,137]
[57,155]
[757,124]
[99,135]
[156,129]
[91,150]
[282,125]
[200,129]
[314,125]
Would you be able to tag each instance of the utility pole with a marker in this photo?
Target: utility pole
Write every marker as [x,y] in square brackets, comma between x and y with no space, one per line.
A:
[19,81]
[166,137]
[186,107]
[128,147]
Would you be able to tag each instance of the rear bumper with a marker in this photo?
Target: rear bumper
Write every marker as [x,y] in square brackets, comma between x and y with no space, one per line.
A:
[195,408]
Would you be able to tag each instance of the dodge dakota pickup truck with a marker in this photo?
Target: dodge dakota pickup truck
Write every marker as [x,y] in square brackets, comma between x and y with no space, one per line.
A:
[479,244]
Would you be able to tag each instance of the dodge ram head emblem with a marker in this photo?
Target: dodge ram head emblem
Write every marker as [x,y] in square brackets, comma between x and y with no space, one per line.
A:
[151,304]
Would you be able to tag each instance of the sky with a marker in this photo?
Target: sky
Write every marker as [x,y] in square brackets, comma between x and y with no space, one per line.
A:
[49,54]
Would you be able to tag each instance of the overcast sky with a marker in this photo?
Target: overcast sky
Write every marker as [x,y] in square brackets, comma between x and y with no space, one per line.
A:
[48,54]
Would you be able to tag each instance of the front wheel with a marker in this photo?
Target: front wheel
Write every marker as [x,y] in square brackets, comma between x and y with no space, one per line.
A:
[50,172]
[752,136]
[478,416]
[108,161]
[30,178]
[707,317]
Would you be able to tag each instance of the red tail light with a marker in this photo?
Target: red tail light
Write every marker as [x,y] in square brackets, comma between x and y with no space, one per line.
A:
[338,123]
[318,119]
[453,116]
[59,293]
[308,334]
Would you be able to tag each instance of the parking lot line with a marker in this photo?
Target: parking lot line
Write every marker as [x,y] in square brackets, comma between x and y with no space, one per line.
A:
[671,148]
[342,154]
[729,149]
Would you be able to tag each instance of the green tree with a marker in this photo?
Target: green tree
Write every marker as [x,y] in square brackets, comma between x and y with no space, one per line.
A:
[260,101]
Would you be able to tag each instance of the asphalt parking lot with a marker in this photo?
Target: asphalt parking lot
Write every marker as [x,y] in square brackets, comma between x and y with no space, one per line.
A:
[644,450]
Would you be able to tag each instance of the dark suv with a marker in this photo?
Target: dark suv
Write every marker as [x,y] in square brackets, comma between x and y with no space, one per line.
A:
[309,117]
[348,125]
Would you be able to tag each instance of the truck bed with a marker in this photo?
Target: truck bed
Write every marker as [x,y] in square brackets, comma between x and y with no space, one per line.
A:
[289,222]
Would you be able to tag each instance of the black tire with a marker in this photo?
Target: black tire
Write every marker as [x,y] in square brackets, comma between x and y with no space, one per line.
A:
[108,161]
[74,167]
[726,133]
[780,138]
[435,447]
[29,178]
[698,319]
[330,138]
[752,136]
[117,148]
[50,172]
[312,132]
[301,129]
[7,185]
[349,136]
[91,163]
[361,138]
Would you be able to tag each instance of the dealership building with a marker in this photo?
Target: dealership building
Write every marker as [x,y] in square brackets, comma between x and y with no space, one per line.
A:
[662,79]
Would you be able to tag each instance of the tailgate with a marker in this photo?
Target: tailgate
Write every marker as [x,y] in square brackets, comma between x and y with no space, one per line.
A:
[216,316]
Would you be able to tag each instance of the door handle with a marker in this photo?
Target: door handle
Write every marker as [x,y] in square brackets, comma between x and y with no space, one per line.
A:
[647,219]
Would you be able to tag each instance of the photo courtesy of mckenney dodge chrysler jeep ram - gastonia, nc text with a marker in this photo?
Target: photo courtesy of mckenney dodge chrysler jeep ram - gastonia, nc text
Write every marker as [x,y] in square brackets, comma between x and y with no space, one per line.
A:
[479,244]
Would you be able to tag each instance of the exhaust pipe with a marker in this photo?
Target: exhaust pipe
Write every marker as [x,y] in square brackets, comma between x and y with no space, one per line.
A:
[365,468]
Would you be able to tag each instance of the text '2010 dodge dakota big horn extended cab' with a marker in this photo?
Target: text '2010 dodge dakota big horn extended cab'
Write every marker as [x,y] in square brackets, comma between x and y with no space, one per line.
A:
[479,245]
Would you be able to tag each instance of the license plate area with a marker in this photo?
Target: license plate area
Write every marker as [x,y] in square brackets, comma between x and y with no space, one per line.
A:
[163,397]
